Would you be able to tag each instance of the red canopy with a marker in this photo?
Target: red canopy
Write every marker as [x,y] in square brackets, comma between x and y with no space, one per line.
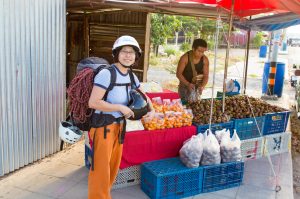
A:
[288,5]
[244,8]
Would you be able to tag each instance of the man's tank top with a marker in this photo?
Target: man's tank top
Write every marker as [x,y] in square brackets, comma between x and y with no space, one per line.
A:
[188,72]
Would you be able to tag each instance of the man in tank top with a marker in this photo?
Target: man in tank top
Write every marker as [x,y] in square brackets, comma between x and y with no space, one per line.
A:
[193,70]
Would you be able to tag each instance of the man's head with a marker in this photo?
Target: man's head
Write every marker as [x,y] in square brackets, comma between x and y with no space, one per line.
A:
[199,43]
[199,47]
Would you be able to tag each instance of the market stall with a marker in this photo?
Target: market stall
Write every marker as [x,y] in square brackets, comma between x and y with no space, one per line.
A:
[160,141]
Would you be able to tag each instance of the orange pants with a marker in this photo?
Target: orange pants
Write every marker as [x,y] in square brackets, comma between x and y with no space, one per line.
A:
[107,158]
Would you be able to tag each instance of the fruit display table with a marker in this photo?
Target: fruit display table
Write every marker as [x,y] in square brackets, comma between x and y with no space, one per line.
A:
[144,146]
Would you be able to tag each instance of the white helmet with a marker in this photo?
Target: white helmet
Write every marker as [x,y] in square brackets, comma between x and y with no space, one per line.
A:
[127,40]
[69,133]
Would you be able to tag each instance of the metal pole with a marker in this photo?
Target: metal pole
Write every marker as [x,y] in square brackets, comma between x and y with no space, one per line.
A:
[216,39]
[273,62]
[271,34]
[247,59]
[227,53]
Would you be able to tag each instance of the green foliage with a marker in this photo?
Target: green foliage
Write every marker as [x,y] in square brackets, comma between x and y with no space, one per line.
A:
[170,51]
[162,27]
[185,47]
[153,61]
[258,39]
[210,44]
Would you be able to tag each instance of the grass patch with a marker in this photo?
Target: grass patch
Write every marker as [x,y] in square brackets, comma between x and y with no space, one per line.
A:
[253,75]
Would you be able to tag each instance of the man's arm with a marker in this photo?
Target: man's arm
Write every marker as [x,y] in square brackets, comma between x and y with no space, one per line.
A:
[180,68]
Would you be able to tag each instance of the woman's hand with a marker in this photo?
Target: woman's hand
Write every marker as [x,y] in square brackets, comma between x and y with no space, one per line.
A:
[127,112]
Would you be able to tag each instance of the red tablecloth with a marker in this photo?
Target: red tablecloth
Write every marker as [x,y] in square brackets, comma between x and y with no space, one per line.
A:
[166,94]
[143,146]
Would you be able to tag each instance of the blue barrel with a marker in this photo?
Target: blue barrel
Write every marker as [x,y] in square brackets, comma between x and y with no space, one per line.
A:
[263,51]
[279,78]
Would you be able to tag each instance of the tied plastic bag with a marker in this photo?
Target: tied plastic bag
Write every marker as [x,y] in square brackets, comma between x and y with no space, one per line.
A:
[194,95]
[231,148]
[176,105]
[211,149]
[153,121]
[191,151]
[169,119]
[187,117]
[221,133]
[157,104]
[166,105]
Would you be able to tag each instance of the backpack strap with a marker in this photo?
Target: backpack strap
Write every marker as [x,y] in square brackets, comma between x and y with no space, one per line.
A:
[132,80]
[113,79]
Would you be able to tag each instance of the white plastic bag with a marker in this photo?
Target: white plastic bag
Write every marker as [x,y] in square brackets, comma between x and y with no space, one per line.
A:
[191,151]
[194,95]
[221,133]
[211,149]
[231,148]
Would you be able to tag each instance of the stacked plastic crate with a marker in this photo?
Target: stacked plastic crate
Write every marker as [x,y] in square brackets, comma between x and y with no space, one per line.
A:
[169,178]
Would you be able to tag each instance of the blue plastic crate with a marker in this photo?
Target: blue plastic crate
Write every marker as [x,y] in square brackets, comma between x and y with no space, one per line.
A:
[222,176]
[215,127]
[87,156]
[169,178]
[246,128]
[276,122]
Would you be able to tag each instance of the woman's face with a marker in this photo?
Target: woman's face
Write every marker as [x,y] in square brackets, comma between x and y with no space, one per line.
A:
[198,52]
[127,56]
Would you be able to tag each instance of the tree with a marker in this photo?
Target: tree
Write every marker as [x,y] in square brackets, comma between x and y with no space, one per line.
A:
[258,39]
[190,27]
[162,27]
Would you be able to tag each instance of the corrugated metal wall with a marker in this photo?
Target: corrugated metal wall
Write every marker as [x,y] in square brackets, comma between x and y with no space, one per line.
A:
[32,80]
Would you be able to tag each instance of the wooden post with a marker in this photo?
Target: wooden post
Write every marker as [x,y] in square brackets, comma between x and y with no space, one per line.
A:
[147,48]
[86,36]
[247,61]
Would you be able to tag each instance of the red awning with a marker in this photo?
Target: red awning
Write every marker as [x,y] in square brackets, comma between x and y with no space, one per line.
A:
[289,5]
[244,8]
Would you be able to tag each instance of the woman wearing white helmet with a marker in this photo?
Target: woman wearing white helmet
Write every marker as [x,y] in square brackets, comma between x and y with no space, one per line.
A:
[108,140]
